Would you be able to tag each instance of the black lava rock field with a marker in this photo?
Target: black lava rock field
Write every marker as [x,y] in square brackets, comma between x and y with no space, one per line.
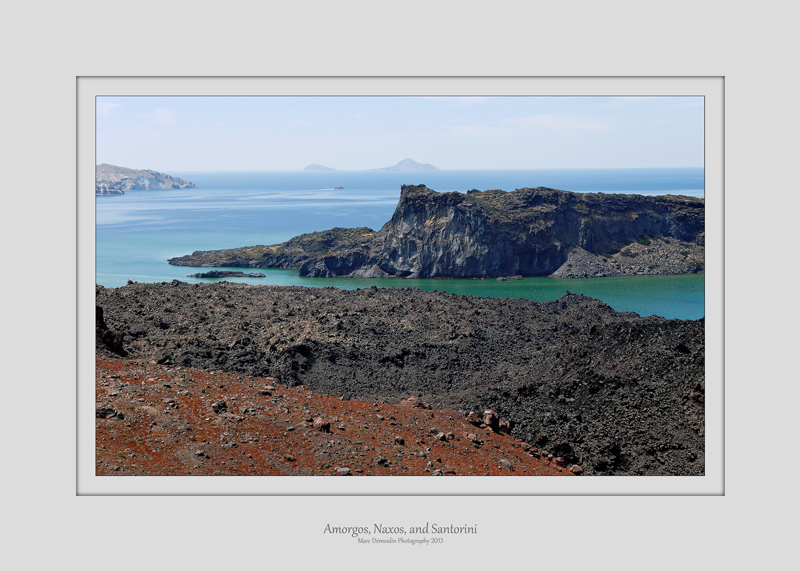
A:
[616,393]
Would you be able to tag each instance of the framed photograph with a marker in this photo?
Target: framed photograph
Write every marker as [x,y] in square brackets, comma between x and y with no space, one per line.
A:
[490,279]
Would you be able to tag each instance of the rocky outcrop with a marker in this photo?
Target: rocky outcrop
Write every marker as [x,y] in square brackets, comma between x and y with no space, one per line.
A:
[103,189]
[297,252]
[111,179]
[106,341]
[225,274]
[491,234]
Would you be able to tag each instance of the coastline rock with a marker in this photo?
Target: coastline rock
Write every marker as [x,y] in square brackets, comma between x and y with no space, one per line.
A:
[103,189]
[226,274]
[111,179]
[496,234]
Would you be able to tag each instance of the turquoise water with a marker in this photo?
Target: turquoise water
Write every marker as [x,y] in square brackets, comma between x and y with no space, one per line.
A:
[137,232]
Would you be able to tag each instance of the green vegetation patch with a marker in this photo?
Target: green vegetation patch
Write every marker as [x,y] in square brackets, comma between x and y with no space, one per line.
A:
[328,241]
[491,200]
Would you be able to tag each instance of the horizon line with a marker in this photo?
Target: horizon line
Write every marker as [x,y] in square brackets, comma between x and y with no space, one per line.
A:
[427,171]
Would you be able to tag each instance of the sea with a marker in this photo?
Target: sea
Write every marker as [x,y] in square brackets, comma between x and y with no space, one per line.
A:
[137,232]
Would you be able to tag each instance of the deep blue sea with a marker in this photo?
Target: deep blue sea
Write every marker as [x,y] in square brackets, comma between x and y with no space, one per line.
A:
[137,232]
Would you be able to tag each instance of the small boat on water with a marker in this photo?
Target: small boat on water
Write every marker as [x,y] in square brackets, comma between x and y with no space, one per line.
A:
[337,187]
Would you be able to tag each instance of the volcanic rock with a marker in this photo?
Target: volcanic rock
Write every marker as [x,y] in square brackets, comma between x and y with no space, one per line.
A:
[493,234]
[613,392]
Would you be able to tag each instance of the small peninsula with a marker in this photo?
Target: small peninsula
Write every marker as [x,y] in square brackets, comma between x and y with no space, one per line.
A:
[111,179]
[494,233]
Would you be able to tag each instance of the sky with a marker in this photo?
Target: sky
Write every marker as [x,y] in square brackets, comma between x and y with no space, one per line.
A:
[356,133]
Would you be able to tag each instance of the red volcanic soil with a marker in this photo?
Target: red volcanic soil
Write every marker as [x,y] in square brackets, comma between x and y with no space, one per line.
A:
[157,420]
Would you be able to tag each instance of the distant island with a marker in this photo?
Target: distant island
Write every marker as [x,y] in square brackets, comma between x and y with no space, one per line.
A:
[493,234]
[111,179]
[318,168]
[406,165]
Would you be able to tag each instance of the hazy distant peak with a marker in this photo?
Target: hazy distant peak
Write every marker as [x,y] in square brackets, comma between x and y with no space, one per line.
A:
[409,165]
[318,168]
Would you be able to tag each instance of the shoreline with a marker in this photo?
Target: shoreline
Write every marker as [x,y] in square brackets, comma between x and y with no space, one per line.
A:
[669,296]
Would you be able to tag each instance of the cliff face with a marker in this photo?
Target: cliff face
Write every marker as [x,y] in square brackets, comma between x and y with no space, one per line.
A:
[111,179]
[531,232]
[458,235]
[525,232]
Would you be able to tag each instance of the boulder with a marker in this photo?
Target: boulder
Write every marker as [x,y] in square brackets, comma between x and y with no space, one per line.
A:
[414,402]
[322,425]
[492,420]
[474,419]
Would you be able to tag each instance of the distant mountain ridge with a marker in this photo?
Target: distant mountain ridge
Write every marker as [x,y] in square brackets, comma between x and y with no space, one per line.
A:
[111,179]
[406,165]
[409,165]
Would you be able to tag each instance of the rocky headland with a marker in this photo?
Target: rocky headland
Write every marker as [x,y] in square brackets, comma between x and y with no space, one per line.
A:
[611,392]
[494,233]
[111,179]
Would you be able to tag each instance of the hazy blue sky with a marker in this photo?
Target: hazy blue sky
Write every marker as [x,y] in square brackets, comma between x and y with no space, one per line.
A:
[355,133]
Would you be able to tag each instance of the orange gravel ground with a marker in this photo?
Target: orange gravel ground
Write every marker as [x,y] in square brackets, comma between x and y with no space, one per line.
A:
[166,426]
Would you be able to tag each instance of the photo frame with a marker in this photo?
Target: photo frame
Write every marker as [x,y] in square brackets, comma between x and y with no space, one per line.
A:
[711,88]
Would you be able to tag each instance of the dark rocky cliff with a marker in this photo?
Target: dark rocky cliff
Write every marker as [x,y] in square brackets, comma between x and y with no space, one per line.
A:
[530,232]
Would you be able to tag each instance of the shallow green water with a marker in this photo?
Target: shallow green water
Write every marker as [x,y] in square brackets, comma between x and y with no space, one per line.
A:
[680,297]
